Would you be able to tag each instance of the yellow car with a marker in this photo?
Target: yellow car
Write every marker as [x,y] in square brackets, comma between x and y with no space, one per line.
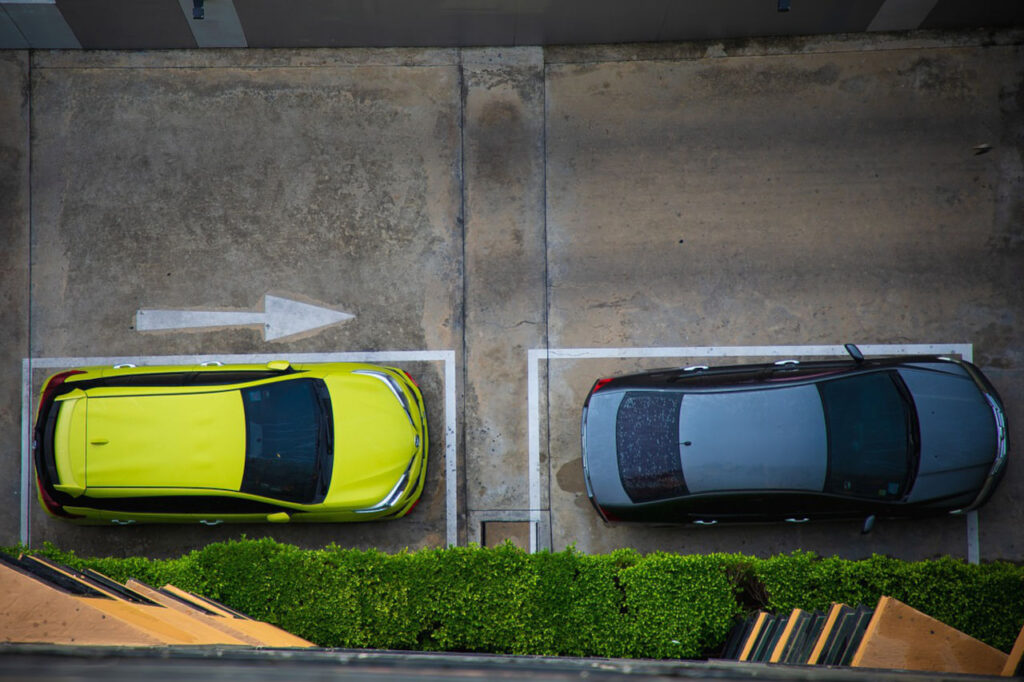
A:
[230,443]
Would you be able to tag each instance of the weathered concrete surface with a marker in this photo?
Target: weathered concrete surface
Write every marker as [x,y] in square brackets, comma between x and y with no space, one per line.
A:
[785,191]
[505,316]
[335,182]
[14,274]
[190,185]
[816,198]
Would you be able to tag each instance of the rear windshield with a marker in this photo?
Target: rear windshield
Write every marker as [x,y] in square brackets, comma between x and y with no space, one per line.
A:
[647,443]
[287,444]
[869,429]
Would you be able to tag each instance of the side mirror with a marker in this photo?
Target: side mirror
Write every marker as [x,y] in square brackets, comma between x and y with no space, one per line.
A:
[869,523]
[854,352]
[279,365]
[278,517]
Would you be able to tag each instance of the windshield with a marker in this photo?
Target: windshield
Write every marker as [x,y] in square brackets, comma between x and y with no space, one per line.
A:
[870,436]
[288,444]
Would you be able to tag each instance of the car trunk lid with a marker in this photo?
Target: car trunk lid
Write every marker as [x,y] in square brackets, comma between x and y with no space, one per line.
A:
[166,441]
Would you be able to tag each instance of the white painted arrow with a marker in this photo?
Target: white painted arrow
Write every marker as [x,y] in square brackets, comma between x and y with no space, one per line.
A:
[281,318]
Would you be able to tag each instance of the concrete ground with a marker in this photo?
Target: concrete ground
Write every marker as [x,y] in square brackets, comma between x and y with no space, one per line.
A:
[506,203]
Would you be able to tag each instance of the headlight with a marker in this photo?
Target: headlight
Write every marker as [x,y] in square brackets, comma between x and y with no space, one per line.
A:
[996,470]
[392,384]
[1000,461]
[392,497]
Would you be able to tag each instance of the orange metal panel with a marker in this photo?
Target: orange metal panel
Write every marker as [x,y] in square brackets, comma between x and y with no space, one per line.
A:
[33,611]
[780,646]
[1016,653]
[899,636]
[175,626]
[254,632]
[830,622]
[752,637]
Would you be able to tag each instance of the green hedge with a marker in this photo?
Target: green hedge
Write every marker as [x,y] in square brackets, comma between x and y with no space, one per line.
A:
[503,600]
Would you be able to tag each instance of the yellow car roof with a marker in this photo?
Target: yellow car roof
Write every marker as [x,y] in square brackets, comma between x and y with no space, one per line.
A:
[194,440]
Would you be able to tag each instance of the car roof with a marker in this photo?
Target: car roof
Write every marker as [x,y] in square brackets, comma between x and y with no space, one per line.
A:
[167,441]
[757,439]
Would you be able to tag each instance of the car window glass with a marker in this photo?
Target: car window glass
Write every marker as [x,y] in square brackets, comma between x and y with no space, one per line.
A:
[233,376]
[647,445]
[804,371]
[868,425]
[717,376]
[208,378]
[180,504]
[284,440]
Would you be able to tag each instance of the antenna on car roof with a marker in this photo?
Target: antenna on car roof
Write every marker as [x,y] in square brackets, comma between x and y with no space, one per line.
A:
[854,352]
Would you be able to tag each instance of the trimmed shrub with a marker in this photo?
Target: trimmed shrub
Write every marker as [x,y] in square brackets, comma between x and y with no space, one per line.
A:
[983,601]
[505,601]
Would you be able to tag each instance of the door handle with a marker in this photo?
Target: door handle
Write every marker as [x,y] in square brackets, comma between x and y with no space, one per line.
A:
[803,520]
[215,522]
[702,522]
[119,522]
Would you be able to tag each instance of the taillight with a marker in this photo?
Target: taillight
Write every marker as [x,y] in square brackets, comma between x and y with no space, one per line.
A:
[599,384]
[51,504]
[411,507]
[608,516]
[409,377]
[54,383]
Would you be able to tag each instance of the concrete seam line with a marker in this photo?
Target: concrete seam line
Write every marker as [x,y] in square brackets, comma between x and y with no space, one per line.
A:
[451,473]
[535,355]
[547,290]
[460,68]
[445,356]
[26,449]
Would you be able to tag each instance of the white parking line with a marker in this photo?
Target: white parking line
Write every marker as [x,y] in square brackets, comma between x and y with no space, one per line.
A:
[28,365]
[536,355]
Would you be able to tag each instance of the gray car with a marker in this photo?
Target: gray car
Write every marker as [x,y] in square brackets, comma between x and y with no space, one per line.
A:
[791,441]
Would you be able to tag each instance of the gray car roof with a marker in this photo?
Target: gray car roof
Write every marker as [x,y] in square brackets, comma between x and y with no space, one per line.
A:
[762,439]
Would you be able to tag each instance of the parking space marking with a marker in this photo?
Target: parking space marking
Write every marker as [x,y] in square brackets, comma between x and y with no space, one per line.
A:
[536,355]
[28,365]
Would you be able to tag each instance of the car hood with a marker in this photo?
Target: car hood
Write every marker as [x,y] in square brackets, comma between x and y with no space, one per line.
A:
[765,439]
[374,440]
[958,434]
[194,440]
